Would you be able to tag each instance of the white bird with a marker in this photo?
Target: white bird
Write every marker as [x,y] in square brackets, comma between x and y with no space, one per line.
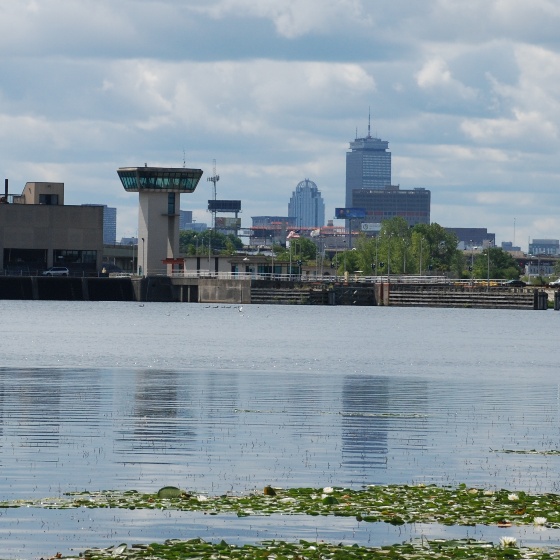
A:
[240,309]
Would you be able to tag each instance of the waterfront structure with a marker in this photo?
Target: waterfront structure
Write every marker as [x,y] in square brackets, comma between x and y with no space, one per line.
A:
[109,223]
[306,205]
[368,166]
[38,231]
[548,247]
[159,191]
[389,202]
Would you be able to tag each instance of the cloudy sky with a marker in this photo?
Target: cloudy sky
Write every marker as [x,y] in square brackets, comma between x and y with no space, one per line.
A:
[466,93]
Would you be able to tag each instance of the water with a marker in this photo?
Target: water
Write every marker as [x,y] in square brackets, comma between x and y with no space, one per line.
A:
[211,399]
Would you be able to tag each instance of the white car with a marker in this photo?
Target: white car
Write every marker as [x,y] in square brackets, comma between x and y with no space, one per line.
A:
[56,271]
[555,284]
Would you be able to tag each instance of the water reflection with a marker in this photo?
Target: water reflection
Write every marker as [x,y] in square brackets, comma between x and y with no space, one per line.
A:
[380,413]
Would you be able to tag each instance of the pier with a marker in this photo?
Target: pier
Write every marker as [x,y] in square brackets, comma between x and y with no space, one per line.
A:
[261,290]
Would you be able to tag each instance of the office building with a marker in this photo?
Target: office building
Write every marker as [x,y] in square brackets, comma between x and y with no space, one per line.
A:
[109,223]
[469,238]
[389,202]
[38,231]
[548,247]
[185,219]
[306,205]
[368,166]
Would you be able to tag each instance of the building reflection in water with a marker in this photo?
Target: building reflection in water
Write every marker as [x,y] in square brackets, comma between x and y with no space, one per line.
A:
[381,414]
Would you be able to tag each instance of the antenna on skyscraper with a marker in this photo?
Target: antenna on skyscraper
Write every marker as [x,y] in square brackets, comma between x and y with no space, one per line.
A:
[369,123]
[184,159]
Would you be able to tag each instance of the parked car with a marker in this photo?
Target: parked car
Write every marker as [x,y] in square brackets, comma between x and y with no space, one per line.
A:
[515,283]
[57,271]
[555,283]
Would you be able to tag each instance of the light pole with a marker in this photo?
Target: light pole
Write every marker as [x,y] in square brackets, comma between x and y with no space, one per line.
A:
[389,259]
[472,263]
[488,268]
[376,252]
[143,262]
[421,240]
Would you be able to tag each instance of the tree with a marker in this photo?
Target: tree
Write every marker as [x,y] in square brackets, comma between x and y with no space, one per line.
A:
[494,262]
[198,242]
[299,249]
[441,250]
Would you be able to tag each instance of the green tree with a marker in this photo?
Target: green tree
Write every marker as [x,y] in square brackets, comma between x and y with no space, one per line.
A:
[494,262]
[198,242]
[440,248]
[299,249]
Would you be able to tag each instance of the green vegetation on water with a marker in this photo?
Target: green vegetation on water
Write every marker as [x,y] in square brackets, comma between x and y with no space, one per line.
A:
[422,549]
[395,504]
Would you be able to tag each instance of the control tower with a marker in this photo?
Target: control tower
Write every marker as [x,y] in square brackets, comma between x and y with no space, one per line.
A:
[158,211]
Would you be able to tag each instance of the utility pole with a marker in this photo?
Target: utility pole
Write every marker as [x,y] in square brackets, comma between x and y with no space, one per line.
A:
[214,179]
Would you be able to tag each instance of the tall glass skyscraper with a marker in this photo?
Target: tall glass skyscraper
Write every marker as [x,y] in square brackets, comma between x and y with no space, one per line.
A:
[306,205]
[368,165]
[109,223]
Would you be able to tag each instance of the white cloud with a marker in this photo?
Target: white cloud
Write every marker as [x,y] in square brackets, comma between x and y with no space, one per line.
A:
[294,18]
[435,75]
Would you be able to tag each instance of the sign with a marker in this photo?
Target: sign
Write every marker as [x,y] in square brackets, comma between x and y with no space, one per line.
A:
[228,223]
[349,213]
[370,226]
[224,205]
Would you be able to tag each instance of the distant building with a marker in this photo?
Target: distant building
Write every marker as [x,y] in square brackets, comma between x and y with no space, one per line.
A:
[109,223]
[306,205]
[389,202]
[268,230]
[368,166]
[548,247]
[508,247]
[186,222]
[185,219]
[473,237]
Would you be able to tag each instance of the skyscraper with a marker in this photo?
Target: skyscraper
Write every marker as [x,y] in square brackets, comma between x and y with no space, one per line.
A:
[307,205]
[368,165]
[109,223]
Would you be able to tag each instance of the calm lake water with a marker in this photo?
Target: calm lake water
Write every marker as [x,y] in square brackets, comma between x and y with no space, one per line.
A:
[212,399]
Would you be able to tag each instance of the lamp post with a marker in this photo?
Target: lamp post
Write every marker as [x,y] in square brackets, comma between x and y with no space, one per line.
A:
[472,263]
[421,240]
[488,268]
[377,252]
[143,262]
[389,259]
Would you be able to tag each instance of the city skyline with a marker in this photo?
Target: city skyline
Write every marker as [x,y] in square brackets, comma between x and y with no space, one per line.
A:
[466,94]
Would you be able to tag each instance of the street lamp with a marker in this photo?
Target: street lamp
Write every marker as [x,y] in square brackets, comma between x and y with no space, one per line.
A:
[421,240]
[143,262]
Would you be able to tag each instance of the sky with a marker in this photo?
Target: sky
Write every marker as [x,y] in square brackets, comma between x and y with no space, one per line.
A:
[466,93]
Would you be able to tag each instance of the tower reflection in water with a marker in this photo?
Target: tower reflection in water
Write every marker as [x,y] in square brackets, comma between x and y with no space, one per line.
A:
[381,415]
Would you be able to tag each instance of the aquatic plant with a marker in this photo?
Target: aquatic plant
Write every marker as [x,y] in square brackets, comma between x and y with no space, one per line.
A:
[395,504]
[418,549]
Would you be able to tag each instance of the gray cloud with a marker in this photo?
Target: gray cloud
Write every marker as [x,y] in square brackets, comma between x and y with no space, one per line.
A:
[467,95]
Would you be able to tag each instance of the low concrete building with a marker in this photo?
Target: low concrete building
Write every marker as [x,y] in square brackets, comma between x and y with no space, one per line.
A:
[37,231]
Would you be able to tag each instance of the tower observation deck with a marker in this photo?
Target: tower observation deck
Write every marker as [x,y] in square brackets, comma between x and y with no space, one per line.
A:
[159,190]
